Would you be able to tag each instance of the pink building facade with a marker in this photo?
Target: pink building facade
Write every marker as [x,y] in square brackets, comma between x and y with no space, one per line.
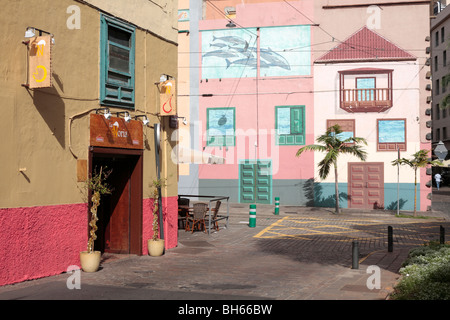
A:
[288,70]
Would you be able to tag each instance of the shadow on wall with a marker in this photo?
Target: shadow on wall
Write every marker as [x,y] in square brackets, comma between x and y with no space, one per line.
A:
[314,192]
[51,107]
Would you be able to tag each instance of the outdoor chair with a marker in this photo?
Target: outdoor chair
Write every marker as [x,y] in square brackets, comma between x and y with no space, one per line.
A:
[214,219]
[182,212]
[197,217]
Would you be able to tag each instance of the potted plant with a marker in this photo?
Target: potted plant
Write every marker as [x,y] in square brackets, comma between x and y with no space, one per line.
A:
[90,259]
[155,244]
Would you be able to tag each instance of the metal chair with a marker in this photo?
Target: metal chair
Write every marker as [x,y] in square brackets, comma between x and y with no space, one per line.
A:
[198,216]
[214,219]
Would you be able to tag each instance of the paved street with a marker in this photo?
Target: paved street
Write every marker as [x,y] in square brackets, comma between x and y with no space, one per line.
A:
[300,254]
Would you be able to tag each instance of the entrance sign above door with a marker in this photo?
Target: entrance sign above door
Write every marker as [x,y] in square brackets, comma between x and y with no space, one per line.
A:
[115,132]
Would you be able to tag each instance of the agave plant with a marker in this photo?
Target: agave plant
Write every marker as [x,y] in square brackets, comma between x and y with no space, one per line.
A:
[157,184]
[96,183]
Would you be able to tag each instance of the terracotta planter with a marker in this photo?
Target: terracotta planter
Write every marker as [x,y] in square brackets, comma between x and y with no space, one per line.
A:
[90,261]
[155,247]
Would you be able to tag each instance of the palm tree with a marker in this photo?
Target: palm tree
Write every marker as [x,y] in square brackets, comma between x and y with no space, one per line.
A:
[333,146]
[419,160]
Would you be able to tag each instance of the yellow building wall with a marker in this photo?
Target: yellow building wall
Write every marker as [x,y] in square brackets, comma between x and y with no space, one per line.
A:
[45,131]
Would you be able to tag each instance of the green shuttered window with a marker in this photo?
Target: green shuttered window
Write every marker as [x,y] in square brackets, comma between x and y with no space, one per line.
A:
[290,125]
[117,47]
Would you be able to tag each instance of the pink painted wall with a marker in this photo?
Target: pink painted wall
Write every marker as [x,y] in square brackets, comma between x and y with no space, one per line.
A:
[34,241]
[170,217]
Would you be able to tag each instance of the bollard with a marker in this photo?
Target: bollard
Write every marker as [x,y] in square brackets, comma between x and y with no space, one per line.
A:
[355,254]
[390,239]
[277,205]
[442,235]
[252,216]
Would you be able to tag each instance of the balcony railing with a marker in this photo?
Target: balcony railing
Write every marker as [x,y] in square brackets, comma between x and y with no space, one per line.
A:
[366,100]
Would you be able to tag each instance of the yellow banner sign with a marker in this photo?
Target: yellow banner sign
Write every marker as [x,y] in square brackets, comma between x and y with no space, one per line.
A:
[39,62]
[168,106]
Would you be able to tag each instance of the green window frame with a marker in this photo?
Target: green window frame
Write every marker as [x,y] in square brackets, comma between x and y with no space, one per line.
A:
[290,125]
[220,127]
[117,54]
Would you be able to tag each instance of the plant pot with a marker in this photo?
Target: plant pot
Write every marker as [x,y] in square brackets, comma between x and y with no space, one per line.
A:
[90,261]
[155,247]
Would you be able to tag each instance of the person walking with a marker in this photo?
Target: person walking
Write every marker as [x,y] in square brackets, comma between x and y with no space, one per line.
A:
[437,178]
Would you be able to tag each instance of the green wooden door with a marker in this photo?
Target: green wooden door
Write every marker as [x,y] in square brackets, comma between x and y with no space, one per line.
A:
[255,181]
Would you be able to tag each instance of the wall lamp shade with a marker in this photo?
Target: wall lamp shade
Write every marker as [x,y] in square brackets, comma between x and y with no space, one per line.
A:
[127,117]
[30,32]
[230,24]
[106,112]
[145,121]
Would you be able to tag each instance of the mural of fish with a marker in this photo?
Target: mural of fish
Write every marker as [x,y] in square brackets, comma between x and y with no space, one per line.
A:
[274,59]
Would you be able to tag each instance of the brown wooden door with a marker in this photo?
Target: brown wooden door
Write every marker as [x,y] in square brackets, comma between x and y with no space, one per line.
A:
[120,213]
[117,231]
[366,185]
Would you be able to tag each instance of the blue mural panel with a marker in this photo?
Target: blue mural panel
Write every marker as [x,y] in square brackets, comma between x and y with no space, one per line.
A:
[229,53]
[390,131]
[285,51]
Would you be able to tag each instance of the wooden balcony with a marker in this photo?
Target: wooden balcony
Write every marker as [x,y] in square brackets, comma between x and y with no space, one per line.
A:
[366,100]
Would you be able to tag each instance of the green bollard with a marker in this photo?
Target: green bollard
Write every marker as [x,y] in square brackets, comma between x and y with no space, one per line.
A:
[277,205]
[252,216]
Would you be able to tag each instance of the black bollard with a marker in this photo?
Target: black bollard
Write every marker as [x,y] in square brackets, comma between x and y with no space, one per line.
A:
[442,235]
[390,239]
[355,254]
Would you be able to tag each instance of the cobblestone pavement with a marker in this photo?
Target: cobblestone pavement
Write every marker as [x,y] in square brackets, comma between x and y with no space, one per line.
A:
[300,254]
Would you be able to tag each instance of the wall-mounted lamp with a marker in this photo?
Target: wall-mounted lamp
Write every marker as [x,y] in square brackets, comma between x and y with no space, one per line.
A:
[106,112]
[173,123]
[230,24]
[30,32]
[127,117]
[145,121]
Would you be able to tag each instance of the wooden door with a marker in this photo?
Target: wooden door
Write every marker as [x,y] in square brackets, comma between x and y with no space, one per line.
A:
[366,185]
[120,213]
[117,233]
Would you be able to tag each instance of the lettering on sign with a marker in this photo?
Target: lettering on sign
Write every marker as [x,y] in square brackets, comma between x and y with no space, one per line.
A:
[39,62]
[115,132]
[168,106]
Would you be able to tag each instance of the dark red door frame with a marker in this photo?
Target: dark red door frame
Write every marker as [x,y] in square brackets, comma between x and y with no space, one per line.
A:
[136,192]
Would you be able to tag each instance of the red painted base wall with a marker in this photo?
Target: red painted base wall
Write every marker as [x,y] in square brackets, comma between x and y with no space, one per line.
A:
[34,241]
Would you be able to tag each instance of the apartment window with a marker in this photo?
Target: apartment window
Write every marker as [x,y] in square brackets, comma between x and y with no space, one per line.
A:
[347,126]
[438,134]
[220,126]
[444,87]
[442,35]
[438,112]
[436,63]
[391,134]
[437,86]
[436,38]
[444,113]
[444,58]
[290,125]
[117,47]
